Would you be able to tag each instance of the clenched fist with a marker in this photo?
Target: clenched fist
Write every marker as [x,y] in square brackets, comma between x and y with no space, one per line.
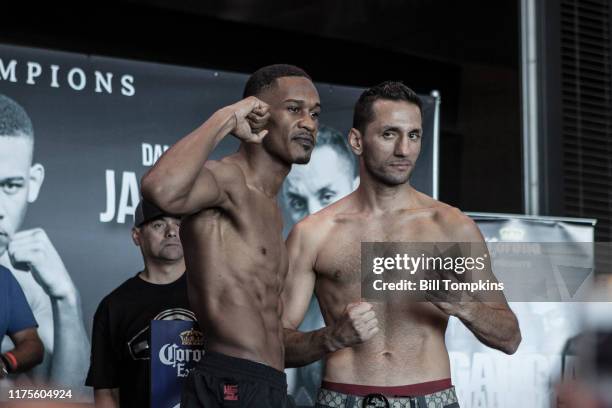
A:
[34,249]
[251,115]
[357,324]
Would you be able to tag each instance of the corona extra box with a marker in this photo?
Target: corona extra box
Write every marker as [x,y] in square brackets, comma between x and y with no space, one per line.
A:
[176,347]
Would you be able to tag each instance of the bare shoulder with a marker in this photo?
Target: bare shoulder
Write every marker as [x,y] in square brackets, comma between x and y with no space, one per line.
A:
[308,232]
[315,228]
[229,176]
[458,226]
[335,213]
[226,170]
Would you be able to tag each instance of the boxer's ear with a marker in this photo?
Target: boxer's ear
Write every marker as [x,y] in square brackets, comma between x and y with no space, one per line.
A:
[355,141]
[35,180]
[136,236]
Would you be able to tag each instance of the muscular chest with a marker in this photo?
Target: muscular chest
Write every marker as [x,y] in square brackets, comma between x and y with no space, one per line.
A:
[339,259]
[339,276]
[260,236]
[248,242]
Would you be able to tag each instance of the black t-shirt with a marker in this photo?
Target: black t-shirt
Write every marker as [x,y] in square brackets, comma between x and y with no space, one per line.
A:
[120,350]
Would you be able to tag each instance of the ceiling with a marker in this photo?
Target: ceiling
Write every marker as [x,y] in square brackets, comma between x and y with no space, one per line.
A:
[475,31]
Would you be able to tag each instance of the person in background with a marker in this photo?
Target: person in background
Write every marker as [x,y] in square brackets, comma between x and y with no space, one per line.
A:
[120,349]
[18,323]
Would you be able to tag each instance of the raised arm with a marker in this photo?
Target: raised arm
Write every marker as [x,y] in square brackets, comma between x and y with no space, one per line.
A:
[70,344]
[492,322]
[357,324]
[182,182]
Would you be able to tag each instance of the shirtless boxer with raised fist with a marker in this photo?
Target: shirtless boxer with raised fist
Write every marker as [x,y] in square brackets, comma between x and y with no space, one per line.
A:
[232,233]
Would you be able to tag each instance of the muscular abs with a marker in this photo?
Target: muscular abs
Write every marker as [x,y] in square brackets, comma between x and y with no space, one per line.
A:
[235,270]
[410,346]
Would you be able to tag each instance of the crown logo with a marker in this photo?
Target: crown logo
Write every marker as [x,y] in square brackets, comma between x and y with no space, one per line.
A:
[192,337]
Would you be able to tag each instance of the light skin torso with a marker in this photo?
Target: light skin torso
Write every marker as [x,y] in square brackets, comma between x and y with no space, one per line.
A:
[397,341]
[390,343]
[409,347]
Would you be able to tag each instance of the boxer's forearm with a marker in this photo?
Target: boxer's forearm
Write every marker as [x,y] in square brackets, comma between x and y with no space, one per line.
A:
[170,180]
[303,348]
[28,354]
[494,326]
[71,346]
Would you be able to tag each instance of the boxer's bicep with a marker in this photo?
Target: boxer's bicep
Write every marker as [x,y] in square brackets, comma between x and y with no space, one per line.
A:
[215,186]
[218,185]
[300,281]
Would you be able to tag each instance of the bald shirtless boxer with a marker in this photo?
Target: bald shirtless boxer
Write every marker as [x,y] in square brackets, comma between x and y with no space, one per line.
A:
[232,234]
[387,353]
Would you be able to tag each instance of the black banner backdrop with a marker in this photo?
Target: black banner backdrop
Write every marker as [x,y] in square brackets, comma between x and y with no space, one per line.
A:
[99,124]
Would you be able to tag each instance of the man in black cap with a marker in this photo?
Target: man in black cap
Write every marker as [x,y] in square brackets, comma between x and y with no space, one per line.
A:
[120,351]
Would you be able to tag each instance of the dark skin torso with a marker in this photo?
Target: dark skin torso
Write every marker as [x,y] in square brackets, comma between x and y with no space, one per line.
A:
[236,266]
[235,255]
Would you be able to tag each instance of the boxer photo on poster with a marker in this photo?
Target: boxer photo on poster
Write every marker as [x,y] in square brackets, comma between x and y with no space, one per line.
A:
[32,258]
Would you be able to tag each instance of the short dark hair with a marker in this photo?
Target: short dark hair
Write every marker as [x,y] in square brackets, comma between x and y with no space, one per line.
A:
[14,121]
[390,90]
[264,78]
[328,136]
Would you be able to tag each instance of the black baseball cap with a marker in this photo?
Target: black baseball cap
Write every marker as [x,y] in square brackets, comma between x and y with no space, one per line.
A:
[147,211]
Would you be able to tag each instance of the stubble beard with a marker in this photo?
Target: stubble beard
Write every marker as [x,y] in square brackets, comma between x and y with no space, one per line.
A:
[389,179]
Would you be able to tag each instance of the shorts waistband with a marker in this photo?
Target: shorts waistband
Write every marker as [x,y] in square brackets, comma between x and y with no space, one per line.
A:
[440,399]
[411,390]
[236,365]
